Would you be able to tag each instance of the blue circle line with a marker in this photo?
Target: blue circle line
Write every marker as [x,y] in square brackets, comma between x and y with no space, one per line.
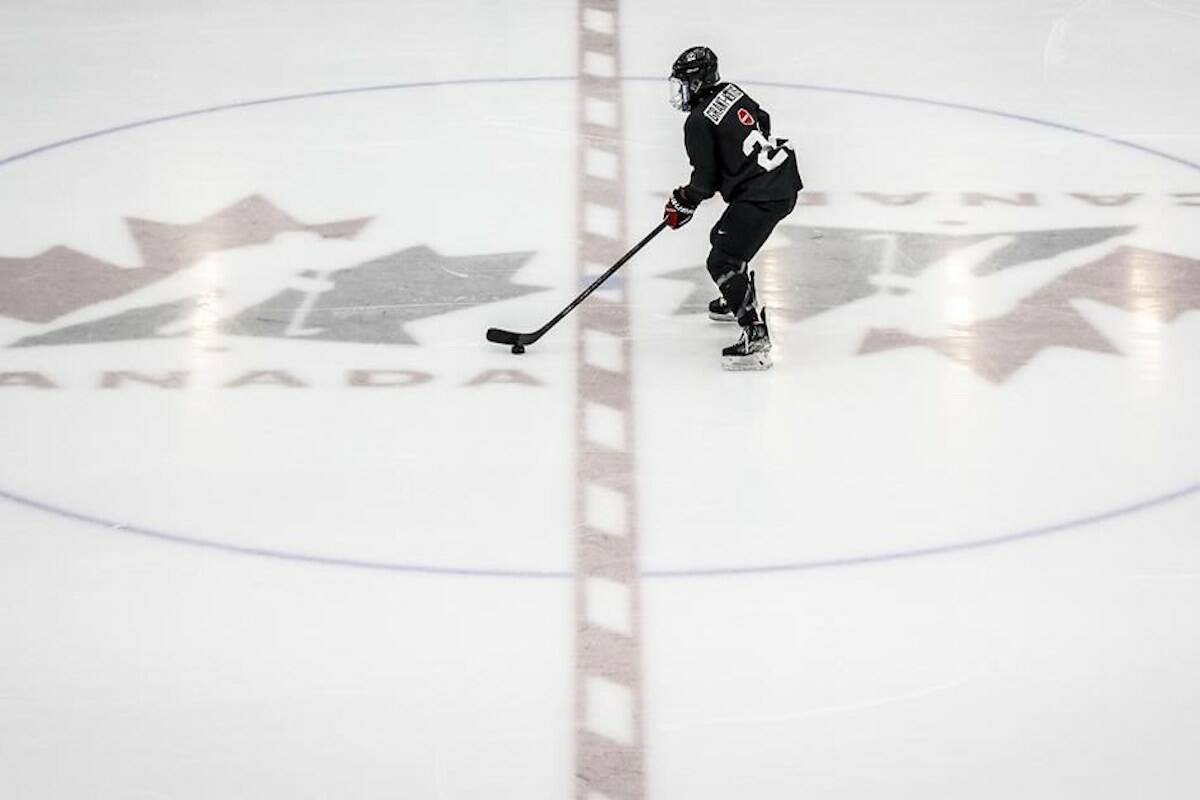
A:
[566,78]
[542,574]
[119,527]
[903,555]
[713,572]
[266,101]
[990,112]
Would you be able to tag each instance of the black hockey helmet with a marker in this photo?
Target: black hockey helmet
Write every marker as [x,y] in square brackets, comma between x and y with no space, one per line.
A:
[692,73]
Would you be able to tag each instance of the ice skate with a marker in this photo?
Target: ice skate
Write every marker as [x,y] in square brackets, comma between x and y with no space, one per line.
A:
[752,350]
[719,310]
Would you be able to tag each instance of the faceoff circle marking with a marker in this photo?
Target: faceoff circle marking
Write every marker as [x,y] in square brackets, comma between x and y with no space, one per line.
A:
[1178,494]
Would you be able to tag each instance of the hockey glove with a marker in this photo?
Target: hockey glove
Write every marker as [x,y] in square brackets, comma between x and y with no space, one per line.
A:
[679,209]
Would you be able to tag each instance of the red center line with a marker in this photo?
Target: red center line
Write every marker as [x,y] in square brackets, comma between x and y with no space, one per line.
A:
[609,752]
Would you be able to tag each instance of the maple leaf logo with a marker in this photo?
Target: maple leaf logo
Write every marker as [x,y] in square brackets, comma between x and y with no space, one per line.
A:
[989,301]
[61,280]
[247,270]
[1146,282]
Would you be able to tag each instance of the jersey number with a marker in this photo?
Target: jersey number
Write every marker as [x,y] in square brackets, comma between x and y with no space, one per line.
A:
[771,152]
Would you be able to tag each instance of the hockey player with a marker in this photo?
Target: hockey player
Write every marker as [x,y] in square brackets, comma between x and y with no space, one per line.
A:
[731,150]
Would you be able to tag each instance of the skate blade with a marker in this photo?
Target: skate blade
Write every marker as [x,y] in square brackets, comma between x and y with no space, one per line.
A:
[745,363]
[721,317]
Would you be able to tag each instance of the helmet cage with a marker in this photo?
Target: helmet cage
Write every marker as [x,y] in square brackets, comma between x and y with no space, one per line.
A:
[679,95]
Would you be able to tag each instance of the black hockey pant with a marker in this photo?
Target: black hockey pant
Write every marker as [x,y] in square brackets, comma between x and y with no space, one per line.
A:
[736,238]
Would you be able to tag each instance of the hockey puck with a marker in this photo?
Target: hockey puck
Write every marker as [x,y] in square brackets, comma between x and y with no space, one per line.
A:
[518,348]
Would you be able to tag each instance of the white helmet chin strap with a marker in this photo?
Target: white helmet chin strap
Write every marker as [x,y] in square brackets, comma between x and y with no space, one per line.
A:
[680,96]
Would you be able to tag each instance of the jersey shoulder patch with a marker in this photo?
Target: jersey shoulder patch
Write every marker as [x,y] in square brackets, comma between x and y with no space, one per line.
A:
[719,106]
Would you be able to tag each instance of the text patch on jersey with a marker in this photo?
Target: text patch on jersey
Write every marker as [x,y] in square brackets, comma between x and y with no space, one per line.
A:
[746,118]
[721,104]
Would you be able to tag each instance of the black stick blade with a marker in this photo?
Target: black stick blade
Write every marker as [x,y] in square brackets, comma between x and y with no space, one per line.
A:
[501,336]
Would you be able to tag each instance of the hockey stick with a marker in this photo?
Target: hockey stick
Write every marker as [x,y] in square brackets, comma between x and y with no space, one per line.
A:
[519,340]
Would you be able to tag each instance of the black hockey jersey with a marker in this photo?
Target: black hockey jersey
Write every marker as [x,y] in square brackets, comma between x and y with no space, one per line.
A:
[729,142]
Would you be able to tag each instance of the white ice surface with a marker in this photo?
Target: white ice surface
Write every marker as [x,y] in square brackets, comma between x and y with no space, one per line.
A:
[1062,667]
